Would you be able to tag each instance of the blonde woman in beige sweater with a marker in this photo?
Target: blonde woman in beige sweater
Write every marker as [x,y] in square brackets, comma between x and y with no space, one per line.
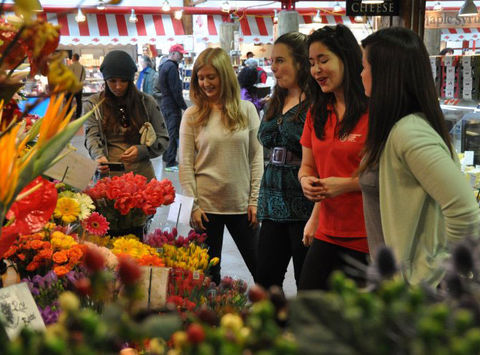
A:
[221,159]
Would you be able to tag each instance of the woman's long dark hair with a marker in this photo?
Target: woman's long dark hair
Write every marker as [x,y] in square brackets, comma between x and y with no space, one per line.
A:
[134,112]
[402,83]
[297,45]
[340,40]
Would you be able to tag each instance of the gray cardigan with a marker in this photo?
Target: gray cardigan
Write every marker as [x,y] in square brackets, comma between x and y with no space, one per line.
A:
[95,139]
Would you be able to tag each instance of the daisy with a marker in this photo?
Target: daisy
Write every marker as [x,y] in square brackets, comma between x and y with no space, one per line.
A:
[96,224]
[67,209]
[86,205]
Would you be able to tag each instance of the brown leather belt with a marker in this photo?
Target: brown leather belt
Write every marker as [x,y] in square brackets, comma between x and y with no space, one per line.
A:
[282,156]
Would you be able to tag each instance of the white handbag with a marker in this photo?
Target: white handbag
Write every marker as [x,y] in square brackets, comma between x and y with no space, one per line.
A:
[147,134]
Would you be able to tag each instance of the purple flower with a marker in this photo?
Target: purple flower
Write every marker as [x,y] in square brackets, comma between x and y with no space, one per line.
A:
[50,313]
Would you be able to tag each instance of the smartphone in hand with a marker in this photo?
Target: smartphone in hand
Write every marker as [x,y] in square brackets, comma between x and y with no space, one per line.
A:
[115,166]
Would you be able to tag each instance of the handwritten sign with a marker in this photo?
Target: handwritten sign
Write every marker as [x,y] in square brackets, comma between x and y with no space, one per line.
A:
[180,210]
[74,169]
[18,310]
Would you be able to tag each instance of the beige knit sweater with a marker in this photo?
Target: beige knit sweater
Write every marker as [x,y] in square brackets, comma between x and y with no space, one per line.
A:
[222,170]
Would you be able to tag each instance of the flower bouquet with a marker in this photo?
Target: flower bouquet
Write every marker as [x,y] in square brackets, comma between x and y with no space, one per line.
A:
[127,200]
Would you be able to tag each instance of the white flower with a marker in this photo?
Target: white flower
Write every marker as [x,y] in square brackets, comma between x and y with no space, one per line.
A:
[86,205]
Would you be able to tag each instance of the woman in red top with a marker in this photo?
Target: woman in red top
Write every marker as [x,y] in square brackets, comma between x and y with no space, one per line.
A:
[333,139]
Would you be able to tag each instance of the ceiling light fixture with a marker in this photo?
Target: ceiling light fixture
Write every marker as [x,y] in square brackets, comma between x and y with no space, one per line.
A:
[437,7]
[372,2]
[317,17]
[166,6]
[468,9]
[226,6]
[80,16]
[337,7]
[178,14]
[101,5]
[358,19]
[133,18]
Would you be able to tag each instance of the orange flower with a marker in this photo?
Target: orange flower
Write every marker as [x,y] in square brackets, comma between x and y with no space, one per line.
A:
[21,256]
[60,257]
[45,253]
[150,260]
[61,270]
[32,266]
[36,244]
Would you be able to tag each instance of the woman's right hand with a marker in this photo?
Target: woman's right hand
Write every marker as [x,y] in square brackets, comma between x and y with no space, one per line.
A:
[103,169]
[309,230]
[197,219]
[312,188]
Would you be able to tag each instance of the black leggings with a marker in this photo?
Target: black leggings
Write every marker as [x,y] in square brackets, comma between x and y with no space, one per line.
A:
[322,259]
[278,243]
[243,235]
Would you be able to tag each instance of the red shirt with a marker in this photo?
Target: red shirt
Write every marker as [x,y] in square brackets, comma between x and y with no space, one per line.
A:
[341,220]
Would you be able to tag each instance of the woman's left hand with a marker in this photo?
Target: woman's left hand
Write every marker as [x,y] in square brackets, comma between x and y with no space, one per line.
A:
[130,155]
[334,186]
[252,216]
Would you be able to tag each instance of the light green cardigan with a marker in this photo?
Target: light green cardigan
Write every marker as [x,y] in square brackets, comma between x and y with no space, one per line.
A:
[425,200]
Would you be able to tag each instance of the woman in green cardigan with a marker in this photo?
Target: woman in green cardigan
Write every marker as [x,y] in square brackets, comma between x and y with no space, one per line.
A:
[416,199]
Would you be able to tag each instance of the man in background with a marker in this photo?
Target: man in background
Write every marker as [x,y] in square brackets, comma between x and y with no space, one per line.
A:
[172,102]
[261,74]
[80,73]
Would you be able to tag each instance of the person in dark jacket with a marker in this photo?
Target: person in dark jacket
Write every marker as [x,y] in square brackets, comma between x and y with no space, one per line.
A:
[172,102]
[146,79]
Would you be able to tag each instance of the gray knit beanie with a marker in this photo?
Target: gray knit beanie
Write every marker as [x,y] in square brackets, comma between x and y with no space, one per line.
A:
[118,64]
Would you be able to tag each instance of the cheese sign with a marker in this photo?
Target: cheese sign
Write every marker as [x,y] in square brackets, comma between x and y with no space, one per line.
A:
[387,8]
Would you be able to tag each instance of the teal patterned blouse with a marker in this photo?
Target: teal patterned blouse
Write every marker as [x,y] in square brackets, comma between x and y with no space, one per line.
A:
[281,197]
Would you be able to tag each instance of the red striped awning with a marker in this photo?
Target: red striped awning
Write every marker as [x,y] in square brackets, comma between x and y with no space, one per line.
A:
[115,29]
[460,34]
[253,28]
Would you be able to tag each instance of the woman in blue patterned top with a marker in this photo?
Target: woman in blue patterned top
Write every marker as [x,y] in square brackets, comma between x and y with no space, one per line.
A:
[282,207]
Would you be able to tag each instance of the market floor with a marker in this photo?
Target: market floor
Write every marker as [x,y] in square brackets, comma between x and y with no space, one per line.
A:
[232,262]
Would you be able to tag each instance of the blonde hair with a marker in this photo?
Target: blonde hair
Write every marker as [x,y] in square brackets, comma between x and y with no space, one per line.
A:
[232,117]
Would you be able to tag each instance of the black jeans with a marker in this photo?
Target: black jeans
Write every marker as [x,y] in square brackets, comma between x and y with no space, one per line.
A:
[278,242]
[243,235]
[78,100]
[322,259]
[172,118]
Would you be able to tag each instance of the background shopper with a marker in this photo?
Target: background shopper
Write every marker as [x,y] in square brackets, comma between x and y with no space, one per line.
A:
[147,77]
[248,91]
[112,132]
[333,140]
[172,102]
[81,74]
[415,196]
[282,208]
[221,162]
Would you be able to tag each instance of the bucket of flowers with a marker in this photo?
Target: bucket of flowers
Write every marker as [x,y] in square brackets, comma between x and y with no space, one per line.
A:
[126,201]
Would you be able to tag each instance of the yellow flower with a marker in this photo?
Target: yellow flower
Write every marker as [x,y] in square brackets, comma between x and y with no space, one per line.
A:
[68,209]
[85,202]
[63,241]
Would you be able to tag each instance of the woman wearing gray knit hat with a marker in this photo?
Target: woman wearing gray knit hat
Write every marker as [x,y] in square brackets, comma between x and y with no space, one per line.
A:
[127,127]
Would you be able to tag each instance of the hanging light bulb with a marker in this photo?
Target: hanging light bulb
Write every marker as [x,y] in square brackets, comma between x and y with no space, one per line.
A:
[226,6]
[80,16]
[317,17]
[166,6]
[370,2]
[437,7]
[358,19]
[178,14]
[133,18]
[337,7]
[275,16]
[101,5]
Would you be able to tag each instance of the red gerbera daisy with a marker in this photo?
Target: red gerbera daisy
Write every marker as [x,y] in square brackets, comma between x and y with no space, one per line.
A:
[96,224]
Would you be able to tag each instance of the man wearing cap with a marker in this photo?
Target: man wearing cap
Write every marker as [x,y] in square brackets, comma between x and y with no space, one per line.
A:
[172,103]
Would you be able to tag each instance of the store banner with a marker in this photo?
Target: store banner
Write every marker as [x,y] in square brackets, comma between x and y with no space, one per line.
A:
[450,19]
[387,8]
